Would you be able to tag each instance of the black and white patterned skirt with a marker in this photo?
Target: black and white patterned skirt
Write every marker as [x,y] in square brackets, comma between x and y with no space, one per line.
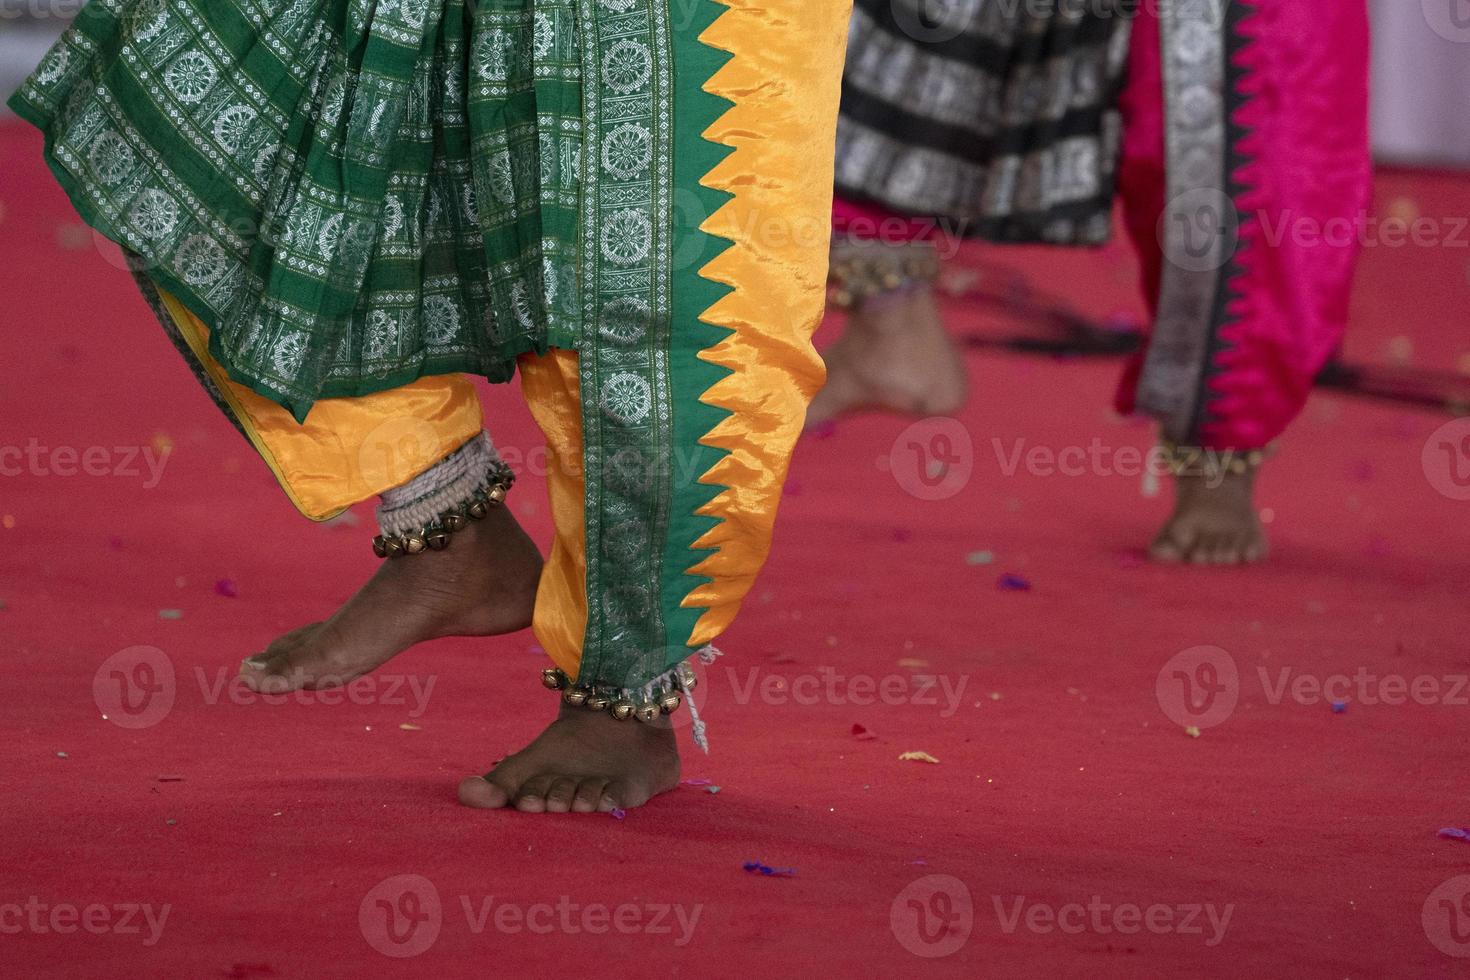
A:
[998,118]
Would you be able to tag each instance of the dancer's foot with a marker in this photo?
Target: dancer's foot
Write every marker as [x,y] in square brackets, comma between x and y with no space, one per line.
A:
[894,354]
[585,762]
[483,584]
[1214,522]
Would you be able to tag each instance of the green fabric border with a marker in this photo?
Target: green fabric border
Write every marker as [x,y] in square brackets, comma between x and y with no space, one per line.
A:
[695,63]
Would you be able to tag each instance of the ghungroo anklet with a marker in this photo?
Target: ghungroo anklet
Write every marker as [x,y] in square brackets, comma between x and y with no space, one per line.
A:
[1199,461]
[864,268]
[662,697]
[425,513]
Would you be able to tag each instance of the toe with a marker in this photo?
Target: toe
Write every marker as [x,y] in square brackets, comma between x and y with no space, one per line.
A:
[1172,544]
[1256,549]
[1228,550]
[265,674]
[589,795]
[559,797]
[1203,550]
[623,795]
[482,794]
[532,795]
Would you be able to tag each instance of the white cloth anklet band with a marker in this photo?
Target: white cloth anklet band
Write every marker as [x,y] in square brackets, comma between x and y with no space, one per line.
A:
[441,488]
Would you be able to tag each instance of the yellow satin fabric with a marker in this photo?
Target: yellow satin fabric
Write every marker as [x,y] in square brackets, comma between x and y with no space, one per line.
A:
[349,449]
[785,81]
[552,386]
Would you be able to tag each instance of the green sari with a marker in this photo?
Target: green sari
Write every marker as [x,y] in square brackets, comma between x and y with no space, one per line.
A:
[354,194]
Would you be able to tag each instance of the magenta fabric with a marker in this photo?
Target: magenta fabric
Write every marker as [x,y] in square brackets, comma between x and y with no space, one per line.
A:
[1307,180]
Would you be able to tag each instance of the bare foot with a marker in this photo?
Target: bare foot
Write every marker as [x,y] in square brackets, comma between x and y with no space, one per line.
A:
[1214,522]
[894,354]
[585,762]
[483,584]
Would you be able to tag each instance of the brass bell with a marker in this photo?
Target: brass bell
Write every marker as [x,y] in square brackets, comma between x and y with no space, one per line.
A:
[415,545]
[554,679]
[576,696]
[437,540]
[688,680]
[393,546]
[478,509]
[648,712]
[598,702]
[454,523]
[670,702]
[497,494]
[622,709]
[380,546]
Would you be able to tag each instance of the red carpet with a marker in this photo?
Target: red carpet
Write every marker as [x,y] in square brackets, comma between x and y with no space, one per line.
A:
[1094,837]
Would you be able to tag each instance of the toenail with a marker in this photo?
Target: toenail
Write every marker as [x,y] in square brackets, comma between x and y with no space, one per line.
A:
[256,663]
